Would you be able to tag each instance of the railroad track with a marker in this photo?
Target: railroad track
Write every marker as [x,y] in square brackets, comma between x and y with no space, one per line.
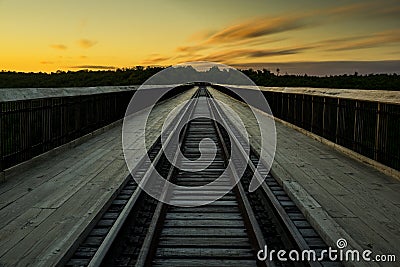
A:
[136,230]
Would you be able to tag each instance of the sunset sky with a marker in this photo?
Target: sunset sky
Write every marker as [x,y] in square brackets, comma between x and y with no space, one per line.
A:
[55,35]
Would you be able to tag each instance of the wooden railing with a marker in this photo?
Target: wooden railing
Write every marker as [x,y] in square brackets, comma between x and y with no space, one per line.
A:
[33,121]
[33,126]
[368,127]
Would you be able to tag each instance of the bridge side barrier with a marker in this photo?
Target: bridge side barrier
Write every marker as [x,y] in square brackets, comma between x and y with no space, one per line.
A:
[368,127]
[34,121]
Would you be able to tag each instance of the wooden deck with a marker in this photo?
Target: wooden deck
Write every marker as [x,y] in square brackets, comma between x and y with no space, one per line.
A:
[342,197]
[45,208]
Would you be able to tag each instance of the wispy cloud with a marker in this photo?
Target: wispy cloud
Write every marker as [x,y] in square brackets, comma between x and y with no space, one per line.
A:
[256,42]
[59,46]
[155,59]
[348,9]
[82,24]
[367,9]
[256,28]
[191,48]
[252,39]
[265,26]
[44,62]
[257,32]
[239,43]
[94,67]
[200,35]
[86,43]
[228,55]
[389,11]
[375,40]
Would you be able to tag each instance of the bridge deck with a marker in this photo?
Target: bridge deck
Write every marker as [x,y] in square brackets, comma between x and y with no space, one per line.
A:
[44,209]
[342,197]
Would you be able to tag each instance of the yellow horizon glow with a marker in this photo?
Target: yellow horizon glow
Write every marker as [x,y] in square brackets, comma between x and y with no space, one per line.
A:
[65,35]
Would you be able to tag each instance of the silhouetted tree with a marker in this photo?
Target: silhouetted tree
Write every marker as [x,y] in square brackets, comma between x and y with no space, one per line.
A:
[139,74]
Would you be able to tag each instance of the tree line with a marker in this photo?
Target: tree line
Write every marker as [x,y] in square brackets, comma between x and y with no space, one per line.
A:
[139,74]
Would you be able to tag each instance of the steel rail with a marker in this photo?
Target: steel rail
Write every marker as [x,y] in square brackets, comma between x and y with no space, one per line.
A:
[115,229]
[248,214]
[149,241]
[283,216]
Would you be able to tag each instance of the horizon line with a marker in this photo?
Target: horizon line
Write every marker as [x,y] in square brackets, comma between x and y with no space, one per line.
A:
[317,68]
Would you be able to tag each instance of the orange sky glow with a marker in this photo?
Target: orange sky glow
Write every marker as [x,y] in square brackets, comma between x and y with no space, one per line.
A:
[46,35]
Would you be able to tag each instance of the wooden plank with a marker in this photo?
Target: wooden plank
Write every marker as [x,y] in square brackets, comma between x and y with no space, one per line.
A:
[62,227]
[368,238]
[320,193]
[316,156]
[233,242]
[24,188]
[201,197]
[348,190]
[210,188]
[222,203]
[203,215]
[66,185]
[354,190]
[14,232]
[114,169]
[204,253]
[204,262]
[204,223]
[360,206]
[201,209]
[53,193]
[213,232]
[76,183]
[64,163]
[21,185]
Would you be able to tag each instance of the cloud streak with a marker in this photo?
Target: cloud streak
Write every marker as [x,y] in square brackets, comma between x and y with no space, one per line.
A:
[86,43]
[265,26]
[226,56]
[252,39]
[348,9]
[94,67]
[155,59]
[59,46]
[375,40]
[256,28]
[45,62]
[258,31]
[232,55]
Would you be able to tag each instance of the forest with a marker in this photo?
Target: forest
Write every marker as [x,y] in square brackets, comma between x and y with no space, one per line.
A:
[139,74]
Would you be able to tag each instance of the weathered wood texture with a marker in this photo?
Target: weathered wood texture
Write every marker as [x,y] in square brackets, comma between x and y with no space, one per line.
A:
[43,209]
[345,197]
